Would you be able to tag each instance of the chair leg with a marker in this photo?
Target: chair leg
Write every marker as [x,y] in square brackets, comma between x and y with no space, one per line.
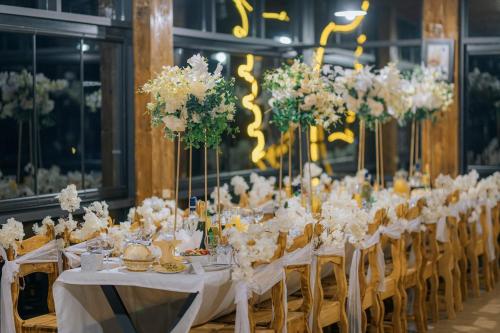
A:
[434,300]
[377,315]
[396,314]
[364,321]
[418,309]
[448,294]
[474,271]
[463,277]
[487,273]
[457,292]
[404,312]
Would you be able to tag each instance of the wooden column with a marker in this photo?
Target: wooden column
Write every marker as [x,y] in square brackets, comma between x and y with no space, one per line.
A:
[153,48]
[440,141]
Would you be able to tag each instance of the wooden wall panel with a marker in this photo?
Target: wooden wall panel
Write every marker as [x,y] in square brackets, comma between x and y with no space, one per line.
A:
[153,48]
[441,140]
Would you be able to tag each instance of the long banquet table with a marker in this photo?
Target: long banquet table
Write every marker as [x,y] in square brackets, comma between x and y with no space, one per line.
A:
[115,300]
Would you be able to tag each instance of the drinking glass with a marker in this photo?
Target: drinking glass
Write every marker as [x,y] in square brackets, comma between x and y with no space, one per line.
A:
[258,214]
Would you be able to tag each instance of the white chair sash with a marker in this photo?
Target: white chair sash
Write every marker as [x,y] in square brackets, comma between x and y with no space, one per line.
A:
[490,247]
[46,253]
[442,230]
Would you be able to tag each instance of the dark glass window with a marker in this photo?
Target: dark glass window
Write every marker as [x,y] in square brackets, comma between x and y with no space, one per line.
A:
[189,13]
[280,28]
[58,138]
[38,4]
[481,130]
[227,17]
[16,115]
[70,129]
[482,18]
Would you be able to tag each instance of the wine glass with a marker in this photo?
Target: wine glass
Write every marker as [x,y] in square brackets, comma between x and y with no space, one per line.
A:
[107,246]
[258,214]
[213,238]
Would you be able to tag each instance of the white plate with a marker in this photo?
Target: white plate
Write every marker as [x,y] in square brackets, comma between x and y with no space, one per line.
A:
[215,267]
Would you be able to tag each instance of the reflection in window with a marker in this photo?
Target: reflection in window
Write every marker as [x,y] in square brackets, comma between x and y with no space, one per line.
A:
[65,130]
[103,122]
[114,9]
[60,150]
[16,114]
[482,112]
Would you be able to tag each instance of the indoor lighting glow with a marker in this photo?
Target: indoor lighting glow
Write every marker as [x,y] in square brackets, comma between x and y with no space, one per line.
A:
[248,102]
[284,39]
[350,14]
[220,57]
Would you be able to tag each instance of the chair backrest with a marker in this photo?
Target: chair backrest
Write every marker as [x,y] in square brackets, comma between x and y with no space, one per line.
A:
[303,269]
[277,292]
[50,268]
[412,241]
[393,245]
[340,278]
[370,254]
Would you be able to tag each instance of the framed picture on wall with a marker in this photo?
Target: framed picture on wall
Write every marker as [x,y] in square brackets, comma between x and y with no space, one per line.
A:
[439,53]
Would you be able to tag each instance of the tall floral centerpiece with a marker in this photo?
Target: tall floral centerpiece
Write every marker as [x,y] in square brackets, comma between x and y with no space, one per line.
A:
[300,97]
[192,105]
[375,97]
[428,94]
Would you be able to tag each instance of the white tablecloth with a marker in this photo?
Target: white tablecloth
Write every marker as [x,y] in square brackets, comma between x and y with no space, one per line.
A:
[82,307]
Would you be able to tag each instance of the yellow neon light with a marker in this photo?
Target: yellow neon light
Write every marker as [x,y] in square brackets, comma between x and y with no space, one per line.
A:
[361,39]
[244,71]
[332,27]
[242,6]
[350,117]
[347,136]
[281,16]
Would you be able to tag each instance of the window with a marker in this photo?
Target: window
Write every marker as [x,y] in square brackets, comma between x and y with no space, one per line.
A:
[63,114]
[483,18]
[480,87]
[118,10]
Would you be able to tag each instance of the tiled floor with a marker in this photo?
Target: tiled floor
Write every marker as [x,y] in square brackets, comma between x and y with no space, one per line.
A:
[481,314]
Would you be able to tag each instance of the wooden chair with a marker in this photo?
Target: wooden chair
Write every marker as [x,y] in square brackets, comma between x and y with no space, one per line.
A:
[431,256]
[412,267]
[391,277]
[448,266]
[299,304]
[464,237]
[258,318]
[477,248]
[330,293]
[299,308]
[43,323]
[370,297]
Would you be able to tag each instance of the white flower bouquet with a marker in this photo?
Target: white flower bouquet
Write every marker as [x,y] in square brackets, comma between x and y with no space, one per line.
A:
[192,101]
[11,233]
[300,95]
[429,93]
